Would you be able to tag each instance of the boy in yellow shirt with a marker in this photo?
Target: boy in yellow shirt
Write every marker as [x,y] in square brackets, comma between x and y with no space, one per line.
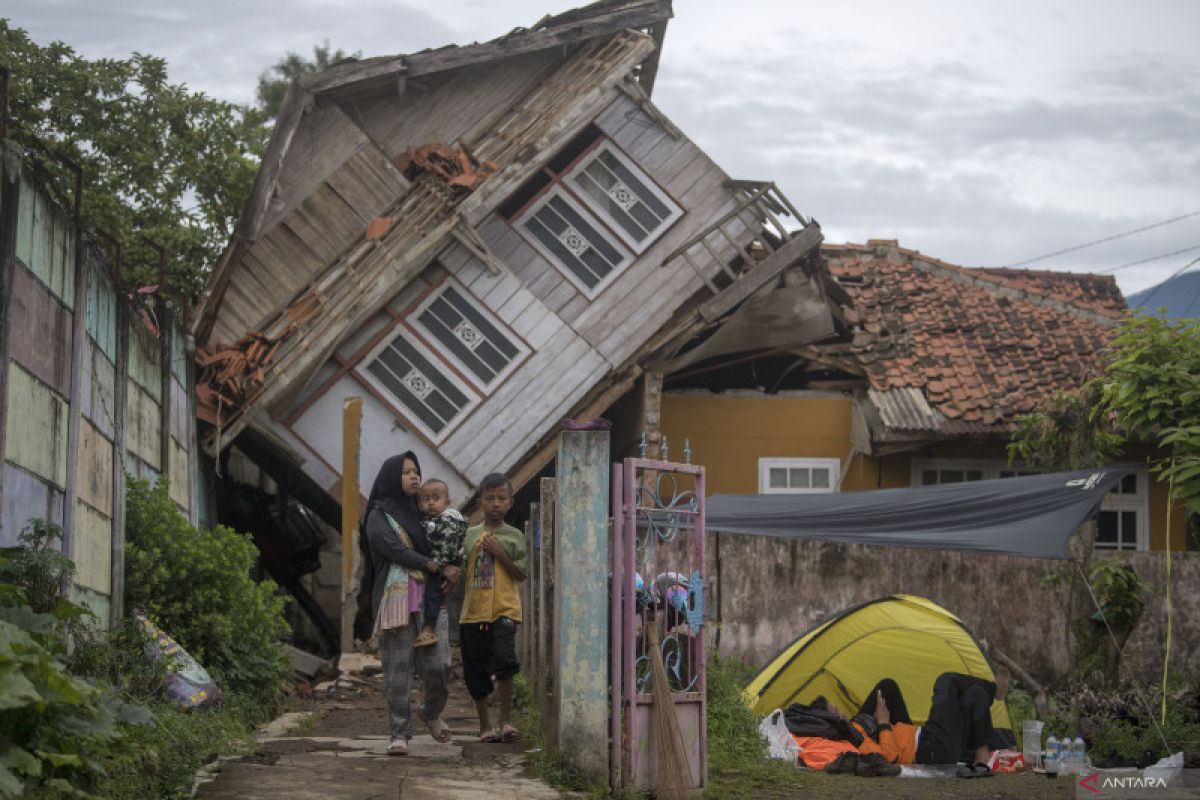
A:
[496,562]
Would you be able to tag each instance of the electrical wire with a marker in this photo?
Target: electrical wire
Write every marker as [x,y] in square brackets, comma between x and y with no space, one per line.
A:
[1178,272]
[1152,258]
[1105,239]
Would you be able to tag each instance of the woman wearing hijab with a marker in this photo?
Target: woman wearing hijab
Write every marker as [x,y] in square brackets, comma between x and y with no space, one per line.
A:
[401,561]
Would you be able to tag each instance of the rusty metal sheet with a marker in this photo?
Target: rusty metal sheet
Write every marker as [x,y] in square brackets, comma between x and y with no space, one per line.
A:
[40,331]
[26,496]
[92,548]
[94,469]
[143,423]
[36,427]
[46,241]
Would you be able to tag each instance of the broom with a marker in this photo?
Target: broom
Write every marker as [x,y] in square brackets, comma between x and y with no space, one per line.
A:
[674,777]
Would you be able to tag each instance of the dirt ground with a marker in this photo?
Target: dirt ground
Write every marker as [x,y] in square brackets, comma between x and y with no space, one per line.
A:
[1000,787]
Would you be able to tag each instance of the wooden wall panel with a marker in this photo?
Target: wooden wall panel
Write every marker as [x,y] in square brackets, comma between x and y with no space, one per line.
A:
[45,242]
[178,476]
[98,401]
[142,426]
[145,361]
[92,548]
[324,140]
[102,311]
[94,469]
[36,427]
[179,407]
[26,496]
[40,331]
[383,435]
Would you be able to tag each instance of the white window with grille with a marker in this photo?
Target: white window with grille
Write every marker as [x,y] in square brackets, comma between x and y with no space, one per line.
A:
[470,337]
[589,255]
[404,370]
[1123,521]
[623,196]
[798,475]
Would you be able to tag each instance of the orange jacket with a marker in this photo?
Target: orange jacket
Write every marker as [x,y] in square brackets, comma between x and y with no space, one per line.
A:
[817,751]
[897,743]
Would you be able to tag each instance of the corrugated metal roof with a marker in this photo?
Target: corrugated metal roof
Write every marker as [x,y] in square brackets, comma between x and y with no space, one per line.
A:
[905,409]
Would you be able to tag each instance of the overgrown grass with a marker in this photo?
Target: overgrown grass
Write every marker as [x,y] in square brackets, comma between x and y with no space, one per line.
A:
[542,761]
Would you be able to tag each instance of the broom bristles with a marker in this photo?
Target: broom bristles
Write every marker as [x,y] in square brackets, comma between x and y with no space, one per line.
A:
[674,773]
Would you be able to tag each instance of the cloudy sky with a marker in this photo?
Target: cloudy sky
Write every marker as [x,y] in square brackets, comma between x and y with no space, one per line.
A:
[983,133]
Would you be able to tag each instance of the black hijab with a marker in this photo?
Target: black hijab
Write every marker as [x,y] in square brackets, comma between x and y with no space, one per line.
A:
[387,493]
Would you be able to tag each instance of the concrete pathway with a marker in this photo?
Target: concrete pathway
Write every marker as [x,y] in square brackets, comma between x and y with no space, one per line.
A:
[334,748]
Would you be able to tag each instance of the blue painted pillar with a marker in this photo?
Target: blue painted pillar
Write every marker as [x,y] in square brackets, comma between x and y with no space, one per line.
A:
[581,601]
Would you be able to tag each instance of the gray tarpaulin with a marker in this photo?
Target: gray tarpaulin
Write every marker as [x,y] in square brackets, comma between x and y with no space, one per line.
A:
[1033,515]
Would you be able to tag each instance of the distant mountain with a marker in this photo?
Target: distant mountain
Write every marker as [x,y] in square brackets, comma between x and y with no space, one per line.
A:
[1180,296]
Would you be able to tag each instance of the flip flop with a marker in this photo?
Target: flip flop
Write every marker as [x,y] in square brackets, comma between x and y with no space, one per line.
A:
[489,737]
[439,730]
[425,640]
[509,734]
[398,747]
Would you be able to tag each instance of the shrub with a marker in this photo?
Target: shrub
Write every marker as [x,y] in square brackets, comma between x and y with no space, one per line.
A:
[196,585]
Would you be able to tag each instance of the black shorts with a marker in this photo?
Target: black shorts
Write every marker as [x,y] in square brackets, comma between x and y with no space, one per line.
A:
[488,649]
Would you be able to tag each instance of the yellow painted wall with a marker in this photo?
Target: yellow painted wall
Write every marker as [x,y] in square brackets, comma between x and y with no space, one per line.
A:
[730,432]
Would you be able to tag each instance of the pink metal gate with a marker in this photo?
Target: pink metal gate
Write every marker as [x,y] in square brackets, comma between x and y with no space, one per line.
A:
[658,571]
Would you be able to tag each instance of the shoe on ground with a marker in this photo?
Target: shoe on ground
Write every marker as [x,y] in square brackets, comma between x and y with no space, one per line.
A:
[397,747]
[874,765]
[844,764]
[976,770]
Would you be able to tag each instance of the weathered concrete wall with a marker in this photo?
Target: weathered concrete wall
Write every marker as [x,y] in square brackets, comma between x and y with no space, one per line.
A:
[770,591]
[74,421]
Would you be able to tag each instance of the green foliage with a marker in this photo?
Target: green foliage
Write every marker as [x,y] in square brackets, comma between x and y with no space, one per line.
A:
[273,84]
[196,585]
[36,566]
[1066,435]
[159,160]
[1120,593]
[543,761]
[1020,708]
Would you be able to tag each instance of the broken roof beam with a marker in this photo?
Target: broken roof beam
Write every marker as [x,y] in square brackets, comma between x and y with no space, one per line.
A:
[765,271]
[649,71]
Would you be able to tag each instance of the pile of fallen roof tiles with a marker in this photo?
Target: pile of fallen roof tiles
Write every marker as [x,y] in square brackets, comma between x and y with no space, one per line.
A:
[457,167]
[230,375]
[984,345]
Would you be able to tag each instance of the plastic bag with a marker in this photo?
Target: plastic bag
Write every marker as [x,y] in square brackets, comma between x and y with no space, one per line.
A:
[1007,761]
[188,685]
[779,738]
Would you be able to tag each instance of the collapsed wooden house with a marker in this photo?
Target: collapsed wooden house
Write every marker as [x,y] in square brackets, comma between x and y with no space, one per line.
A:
[478,241]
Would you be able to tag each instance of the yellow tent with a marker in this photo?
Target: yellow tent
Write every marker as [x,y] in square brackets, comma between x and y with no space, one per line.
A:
[906,638]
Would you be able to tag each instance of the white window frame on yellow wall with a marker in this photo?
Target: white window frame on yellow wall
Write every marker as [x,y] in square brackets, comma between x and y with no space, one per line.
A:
[832,465]
[1118,501]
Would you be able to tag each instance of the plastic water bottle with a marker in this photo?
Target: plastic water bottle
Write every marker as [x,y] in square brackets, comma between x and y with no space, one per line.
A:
[1080,754]
[1068,755]
[1053,757]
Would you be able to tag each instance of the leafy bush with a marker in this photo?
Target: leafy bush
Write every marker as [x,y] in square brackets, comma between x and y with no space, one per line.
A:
[196,585]
[36,566]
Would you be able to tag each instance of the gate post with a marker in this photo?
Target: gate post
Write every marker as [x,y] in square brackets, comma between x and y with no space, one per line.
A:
[581,601]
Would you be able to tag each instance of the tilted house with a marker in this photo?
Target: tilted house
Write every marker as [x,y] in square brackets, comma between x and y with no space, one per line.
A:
[922,383]
[583,233]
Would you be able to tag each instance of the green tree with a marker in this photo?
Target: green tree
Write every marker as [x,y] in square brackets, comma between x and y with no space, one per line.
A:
[159,161]
[273,83]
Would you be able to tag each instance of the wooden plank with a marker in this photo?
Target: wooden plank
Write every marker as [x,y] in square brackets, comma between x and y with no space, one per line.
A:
[548,324]
[120,391]
[142,425]
[26,496]
[514,306]
[144,360]
[92,549]
[177,475]
[36,427]
[581,599]
[94,470]
[763,272]
[102,311]
[40,331]
[494,290]
[533,610]
[351,428]
[547,644]
[522,422]
[178,408]
[323,144]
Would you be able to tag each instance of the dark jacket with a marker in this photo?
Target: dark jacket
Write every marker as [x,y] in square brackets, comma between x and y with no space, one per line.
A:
[386,549]
[804,721]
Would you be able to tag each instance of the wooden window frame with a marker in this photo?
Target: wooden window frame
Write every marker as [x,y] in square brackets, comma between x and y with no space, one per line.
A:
[412,321]
[557,190]
[766,464]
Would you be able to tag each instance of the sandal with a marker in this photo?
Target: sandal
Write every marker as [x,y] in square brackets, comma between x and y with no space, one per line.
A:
[424,640]
[975,770]
[397,747]
[489,737]
[439,730]
[509,734]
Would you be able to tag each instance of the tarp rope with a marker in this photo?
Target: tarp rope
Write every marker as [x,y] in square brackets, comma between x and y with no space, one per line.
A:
[1136,686]
[1167,657]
